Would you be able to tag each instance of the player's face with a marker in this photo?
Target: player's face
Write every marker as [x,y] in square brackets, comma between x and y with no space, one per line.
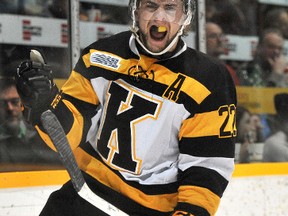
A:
[158,22]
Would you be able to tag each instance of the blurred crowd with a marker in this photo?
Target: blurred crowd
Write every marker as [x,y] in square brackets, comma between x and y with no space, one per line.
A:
[12,54]
[59,9]
[20,145]
[260,137]
[253,143]
[269,67]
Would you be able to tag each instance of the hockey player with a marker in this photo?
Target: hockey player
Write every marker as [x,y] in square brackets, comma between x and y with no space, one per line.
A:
[151,122]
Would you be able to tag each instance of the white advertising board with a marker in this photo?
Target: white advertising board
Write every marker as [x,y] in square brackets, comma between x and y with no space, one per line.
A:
[28,30]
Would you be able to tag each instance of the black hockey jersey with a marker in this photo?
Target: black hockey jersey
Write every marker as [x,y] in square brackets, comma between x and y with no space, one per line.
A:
[153,136]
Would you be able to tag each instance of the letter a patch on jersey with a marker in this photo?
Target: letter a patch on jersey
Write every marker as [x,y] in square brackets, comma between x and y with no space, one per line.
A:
[172,93]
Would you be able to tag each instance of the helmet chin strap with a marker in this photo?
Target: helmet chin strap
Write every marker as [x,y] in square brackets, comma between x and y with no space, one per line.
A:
[172,43]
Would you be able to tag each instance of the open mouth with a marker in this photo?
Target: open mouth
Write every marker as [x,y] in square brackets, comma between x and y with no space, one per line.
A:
[158,32]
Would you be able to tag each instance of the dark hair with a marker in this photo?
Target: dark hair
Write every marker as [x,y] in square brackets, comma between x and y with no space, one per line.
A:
[6,82]
[272,18]
[240,111]
[281,105]
[268,31]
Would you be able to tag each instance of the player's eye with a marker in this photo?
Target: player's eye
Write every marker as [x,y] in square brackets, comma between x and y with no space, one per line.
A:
[170,7]
[150,6]
[13,101]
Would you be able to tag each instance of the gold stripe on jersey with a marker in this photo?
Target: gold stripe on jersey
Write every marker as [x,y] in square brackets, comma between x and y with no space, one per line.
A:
[157,72]
[80,88]
[123,66]
[89,164]
[45,138]
[75,134]
[199,196]
[179,80]
[200,124]
[199,93]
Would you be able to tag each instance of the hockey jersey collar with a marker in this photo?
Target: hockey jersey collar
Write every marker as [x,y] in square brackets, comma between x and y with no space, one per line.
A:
[136,49]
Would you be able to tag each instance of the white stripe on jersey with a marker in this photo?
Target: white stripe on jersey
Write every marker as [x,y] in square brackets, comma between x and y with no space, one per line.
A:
[226,164]
[156,139]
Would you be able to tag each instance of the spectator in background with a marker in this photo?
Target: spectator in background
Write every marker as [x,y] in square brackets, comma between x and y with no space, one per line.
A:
[211,10]
[258,122]
[246,133]
[19,143]
[32,7]
[247,11]
[57,9]
[60,9]
[228,15]
[269,67]
[276,146]
[215,40]
[9,7]
[83,15]
[114,14]
[215,44]
[108,13]
[277,18]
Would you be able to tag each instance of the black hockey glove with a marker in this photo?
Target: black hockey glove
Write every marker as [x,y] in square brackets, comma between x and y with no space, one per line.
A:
[35,86]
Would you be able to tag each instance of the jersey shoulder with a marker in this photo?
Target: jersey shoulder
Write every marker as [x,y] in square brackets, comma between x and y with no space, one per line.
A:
[117,44]
[210,71]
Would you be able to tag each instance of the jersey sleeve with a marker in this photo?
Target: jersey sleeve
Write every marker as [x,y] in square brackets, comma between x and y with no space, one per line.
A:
[206,160]
[74,106]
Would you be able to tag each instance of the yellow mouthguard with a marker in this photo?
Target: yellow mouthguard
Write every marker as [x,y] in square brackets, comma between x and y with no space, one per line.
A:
[161,29]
